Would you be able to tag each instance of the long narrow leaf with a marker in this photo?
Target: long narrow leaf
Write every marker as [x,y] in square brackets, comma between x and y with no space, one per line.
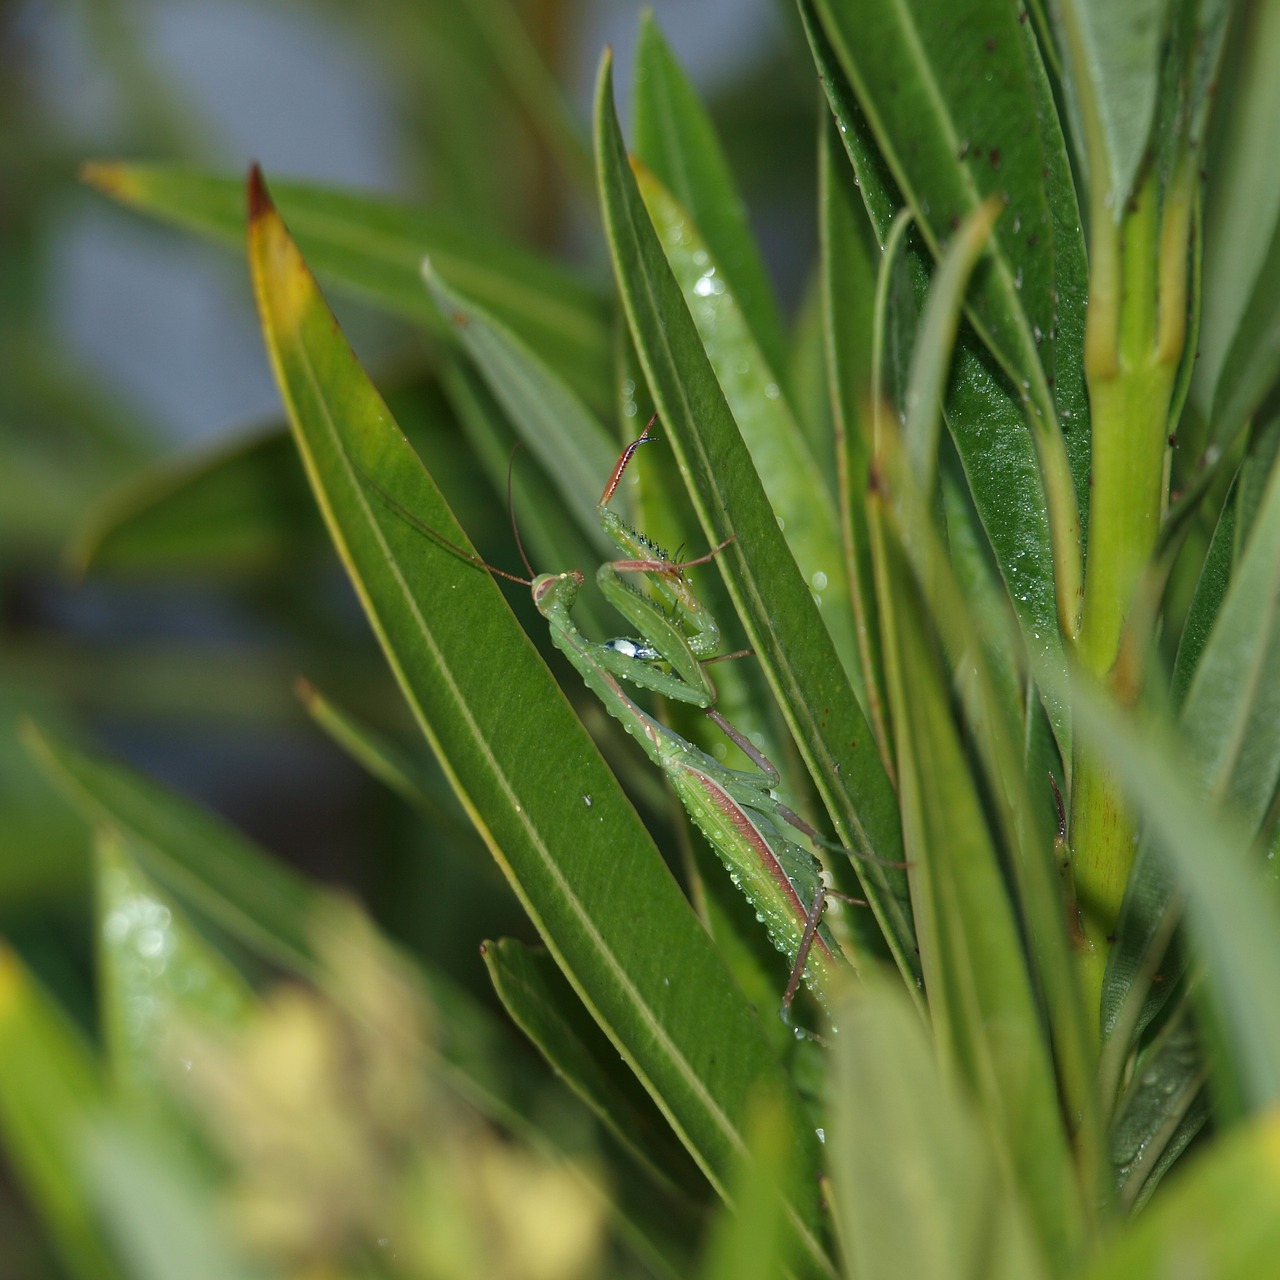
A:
[375,248]
[553,423]
[1219,1217]
[773,601]
[985,413]
[919,1189]
[1230,726]
[792,477]
[1114,50]
[508,739]
[51,1091]
[675,139]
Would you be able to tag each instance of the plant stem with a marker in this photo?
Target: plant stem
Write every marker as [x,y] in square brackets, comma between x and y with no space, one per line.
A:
[1133,342]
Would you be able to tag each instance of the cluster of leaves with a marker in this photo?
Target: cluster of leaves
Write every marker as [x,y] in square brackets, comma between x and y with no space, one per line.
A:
[1066,985]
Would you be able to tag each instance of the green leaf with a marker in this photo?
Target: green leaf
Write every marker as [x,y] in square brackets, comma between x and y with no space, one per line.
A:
[550,532]
[1017,806]
[1230,728]
[545,1008]
[416,780]
[772,600]
[1114,53]
[234,509]
[1242,227]
[984,411]
[510,744]
[155,972]
[50,1093]
[981,1001]
[792,477]
[918,1189]
[1162,1109]
[553,423]
[936,337]
[1252,364]
[1218,1217]
[1150,907]
[1231,717]
[221,878]
[375,248]
[848,293]
[1234,924]
[1260,457]
[677,143]
[1211,588]
[514,59]
[162,1212]
[750,1243]
[189,854]
[949,95]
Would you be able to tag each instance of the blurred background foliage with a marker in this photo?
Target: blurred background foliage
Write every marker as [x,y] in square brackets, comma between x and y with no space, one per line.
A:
[131,369]
[330,1089]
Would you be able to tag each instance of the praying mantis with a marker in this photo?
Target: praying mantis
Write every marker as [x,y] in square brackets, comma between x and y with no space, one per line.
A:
[736,809]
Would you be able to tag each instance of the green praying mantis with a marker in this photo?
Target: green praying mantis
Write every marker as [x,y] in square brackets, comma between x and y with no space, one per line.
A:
[736,809]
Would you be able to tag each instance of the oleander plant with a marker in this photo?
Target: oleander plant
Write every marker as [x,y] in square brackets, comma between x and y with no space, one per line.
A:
[884,853]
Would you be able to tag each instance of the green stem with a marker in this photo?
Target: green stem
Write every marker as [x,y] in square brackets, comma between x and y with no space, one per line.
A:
[1133,342]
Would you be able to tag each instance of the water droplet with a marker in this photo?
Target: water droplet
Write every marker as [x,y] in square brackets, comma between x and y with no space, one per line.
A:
[586,799]
[150,943]
[771,391]
[822,1135]
[707,285]
[819,581]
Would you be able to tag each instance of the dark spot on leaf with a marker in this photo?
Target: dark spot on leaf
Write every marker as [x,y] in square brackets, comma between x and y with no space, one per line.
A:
[460,319]
[994,156]
[1173,441]
[1032,240]
[989,44]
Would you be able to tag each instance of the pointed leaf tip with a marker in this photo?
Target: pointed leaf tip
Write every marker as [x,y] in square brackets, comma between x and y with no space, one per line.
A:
[260,203]
[107,177]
